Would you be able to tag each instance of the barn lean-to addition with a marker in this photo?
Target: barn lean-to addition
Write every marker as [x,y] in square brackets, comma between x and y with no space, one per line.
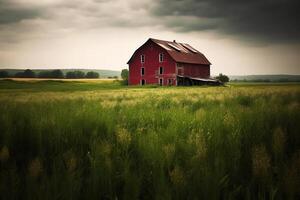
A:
[169,63]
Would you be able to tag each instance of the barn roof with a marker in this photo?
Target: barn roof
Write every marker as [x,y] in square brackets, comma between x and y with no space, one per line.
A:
[181,52]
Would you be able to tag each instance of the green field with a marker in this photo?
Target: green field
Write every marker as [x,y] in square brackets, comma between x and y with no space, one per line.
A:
[102,140]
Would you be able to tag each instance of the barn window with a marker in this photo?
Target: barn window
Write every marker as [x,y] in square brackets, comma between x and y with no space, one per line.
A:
[161,82]
[143,82]
[161,70]
[142,71]
[142,58]
[170,81]
[180,71]
[161,57]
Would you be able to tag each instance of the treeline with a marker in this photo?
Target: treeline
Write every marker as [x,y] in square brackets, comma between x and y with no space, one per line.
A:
[265,80]
[57,73]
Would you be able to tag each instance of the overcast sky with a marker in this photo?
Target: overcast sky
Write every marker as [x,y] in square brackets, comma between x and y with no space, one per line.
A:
[239,37]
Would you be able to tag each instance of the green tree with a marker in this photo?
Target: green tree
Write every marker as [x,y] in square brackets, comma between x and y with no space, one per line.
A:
[92,74]
[79,74]
[44,74]
[124,74]
[57,73]
[223,78]
[29,73]
[75,74]
[26,74]
[70,75]
[4,74]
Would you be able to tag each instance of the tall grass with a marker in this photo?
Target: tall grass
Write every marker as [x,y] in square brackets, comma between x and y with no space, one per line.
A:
[153,143]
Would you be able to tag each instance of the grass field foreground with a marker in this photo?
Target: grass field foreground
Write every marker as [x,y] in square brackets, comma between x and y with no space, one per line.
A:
[101,140]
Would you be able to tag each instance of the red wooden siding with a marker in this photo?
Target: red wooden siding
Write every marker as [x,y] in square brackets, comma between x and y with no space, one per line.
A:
[194,70]
[151,65]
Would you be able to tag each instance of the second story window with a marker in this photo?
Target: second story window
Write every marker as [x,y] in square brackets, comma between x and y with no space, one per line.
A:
[161,70]
[142,71]
[142,58]
[161,57]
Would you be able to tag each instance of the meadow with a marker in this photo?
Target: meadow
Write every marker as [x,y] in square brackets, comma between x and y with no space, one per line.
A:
[102,140]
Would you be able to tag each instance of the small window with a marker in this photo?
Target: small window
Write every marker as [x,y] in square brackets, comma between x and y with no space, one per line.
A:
[143,82]
[142,58]
[142,71]
[161,57]
[161,82]
[161,70]
[170,81]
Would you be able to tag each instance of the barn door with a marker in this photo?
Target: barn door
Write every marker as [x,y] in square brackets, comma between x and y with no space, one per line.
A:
[160,81]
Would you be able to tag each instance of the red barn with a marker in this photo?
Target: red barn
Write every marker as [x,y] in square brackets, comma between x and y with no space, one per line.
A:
[168,63]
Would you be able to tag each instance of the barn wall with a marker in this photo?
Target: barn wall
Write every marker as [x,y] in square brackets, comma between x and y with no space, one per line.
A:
[151,65]
[195,70]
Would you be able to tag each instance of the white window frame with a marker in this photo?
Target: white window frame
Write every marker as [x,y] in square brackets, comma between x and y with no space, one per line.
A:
[142,58]
[162,81]
[142,71]
[162,71]
[161,55]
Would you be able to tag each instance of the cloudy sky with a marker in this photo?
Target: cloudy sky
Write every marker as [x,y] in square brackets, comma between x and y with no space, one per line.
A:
[238,36]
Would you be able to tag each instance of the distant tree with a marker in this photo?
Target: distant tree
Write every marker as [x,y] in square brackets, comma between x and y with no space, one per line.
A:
[26,74]
[70,75]
[44,74]
[19,75]
[4,74]
[92,75]
[79,74]
[75,74]
[223,78]
[115,77]
[124,74]
[57,73]
[29,73]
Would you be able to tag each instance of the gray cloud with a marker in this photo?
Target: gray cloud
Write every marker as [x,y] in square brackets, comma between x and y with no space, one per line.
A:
[265,20]
[11,12]
[256,20]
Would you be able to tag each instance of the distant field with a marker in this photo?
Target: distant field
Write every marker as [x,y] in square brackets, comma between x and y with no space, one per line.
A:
[87,139]
[267,78]
[99,80]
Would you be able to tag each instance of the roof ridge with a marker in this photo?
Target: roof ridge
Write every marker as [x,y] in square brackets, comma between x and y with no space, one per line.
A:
[160,40]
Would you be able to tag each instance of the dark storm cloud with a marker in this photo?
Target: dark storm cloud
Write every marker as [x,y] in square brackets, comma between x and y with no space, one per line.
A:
[13,13]
[259,20]
[267,20]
